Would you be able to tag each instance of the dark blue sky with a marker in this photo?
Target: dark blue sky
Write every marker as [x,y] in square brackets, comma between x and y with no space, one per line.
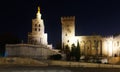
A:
[92,16]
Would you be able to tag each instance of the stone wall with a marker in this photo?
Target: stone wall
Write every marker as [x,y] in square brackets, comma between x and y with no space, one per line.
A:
[79,64]
[21,61]
[29,50]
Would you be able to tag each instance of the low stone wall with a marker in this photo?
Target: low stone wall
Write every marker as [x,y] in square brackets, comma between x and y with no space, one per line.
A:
[79,64]
[32,62]
[20,61]
[114,60]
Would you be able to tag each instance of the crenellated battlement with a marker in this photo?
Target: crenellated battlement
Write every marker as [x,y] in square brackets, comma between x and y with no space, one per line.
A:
[68,18]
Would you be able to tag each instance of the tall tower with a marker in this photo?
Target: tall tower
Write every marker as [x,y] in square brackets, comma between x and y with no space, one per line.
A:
[68,30]
[37,36]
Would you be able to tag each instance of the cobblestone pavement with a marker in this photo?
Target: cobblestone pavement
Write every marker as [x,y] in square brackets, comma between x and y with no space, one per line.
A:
[55,69]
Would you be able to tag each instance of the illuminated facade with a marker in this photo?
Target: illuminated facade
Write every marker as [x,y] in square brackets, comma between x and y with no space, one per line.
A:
[38,35]
[95,45]
[37,46]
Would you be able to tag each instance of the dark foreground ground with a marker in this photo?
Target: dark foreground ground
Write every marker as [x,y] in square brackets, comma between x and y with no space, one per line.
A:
[55,69]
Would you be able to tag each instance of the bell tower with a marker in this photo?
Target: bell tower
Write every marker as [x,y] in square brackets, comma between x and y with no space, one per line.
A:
[37,24]
[37,36]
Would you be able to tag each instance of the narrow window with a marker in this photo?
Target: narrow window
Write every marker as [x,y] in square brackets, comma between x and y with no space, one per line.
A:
[67,25]
[35,29]
[66,34]
[118,43]
[39,29]
[39,25]
[35,25]
[68,41]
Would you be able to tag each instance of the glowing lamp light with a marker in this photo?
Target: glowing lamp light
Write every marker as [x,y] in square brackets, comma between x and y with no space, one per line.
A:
[73,40]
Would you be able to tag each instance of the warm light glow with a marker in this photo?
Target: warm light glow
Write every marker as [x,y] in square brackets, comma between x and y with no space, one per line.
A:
[73,40]
[38,15]
[38,9]
[110,46]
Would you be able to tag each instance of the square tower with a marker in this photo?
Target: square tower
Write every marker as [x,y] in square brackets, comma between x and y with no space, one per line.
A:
[38,35]
[68,30]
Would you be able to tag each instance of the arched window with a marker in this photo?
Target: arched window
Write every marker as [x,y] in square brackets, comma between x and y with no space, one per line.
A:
[39,29]
[68,41]
[35,29]
[117,43]
[35,25]
[39,25]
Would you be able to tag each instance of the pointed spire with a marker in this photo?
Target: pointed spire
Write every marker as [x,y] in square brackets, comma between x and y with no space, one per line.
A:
[38,15]
[38,9]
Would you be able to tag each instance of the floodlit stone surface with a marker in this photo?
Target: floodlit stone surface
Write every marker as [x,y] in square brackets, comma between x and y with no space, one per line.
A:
[92,45]
[38,35]
[37,46]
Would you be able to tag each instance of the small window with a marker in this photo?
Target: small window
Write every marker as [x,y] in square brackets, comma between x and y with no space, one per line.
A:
[35,25]
[118,43]
[35,29]
[40,40]
[67,25]
[68,41]
[39,29]
[39,25]
[88,48]
[66,34]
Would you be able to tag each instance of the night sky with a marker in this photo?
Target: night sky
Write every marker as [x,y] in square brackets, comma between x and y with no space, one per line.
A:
[92,16]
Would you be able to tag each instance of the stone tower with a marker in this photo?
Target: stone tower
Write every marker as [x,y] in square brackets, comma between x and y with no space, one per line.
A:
[37,36]
[68,30]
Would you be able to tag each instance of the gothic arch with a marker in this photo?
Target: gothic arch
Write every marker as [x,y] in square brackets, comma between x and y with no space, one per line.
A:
[82,47]
[100,43]
[96,46]
[88,47]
